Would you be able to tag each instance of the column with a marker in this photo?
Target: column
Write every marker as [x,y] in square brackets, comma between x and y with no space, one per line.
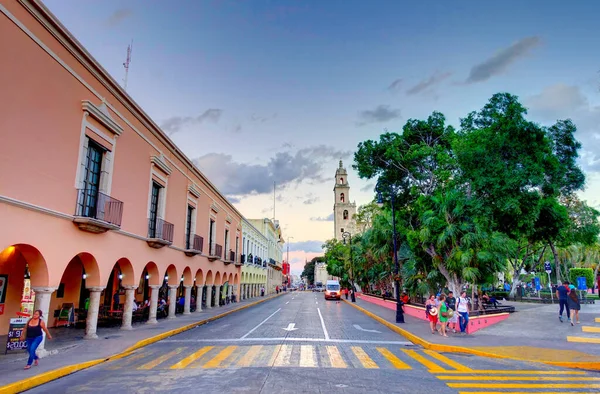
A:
[243,292]
[218,296]
[187,300]
[42,302]
[199,298]
[229,291]
[208,296]
[172,301]
[91,323]
[128,307]
[153,304]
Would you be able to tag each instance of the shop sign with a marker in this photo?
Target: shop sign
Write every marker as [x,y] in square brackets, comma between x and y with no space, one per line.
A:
[15,329]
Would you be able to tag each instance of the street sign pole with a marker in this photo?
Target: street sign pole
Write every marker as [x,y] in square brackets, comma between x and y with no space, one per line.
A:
[548,269]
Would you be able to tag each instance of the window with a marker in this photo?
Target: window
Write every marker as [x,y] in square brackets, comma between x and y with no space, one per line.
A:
[342,198]
[91,181]
[226,243]
[341,180]
[211,237]
[237,241]
[345,214]
[154,198]
[188,227]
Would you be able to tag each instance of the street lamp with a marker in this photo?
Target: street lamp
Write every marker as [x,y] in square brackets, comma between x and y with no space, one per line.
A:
[399,311]
[349,236]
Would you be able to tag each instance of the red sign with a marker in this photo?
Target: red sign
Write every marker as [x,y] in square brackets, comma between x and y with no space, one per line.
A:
[285,267]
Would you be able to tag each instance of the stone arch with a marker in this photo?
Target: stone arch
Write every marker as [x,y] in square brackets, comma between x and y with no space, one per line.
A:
[236,279]
[230,279]
[199,278]
[171,275]
[345,214]
[25,254]
[342,197]
[209,278]
[151,274]
[125,268]
[217,281]
[187,277]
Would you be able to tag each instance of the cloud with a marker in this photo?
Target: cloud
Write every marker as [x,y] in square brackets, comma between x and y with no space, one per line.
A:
[425,84]
[381,114]
[119,16]
[284,168]
[306,246]
[176,123]
[311,200]
[262,119]
[323,218]
[369,187]
[234,199]
[237,128]
[500,62]
[561,101]
[395,86]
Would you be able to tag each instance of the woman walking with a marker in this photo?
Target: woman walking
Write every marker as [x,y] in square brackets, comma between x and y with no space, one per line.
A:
[444,315]
[432,313]
[574,304]
[34,334]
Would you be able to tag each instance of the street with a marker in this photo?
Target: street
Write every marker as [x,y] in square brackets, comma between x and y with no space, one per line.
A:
[301,343]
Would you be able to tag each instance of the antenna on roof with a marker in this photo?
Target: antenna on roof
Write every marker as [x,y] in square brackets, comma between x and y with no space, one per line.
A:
[126,64]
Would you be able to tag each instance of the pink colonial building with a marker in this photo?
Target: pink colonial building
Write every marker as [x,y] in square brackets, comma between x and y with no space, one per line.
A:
[98,208]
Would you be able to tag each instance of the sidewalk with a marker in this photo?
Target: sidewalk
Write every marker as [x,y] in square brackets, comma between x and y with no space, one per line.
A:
[69,348]
[533,334]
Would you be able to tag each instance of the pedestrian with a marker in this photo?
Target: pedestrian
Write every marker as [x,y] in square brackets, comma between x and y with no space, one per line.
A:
[451,301]
[346,292]
[432,313]
[405,298]
[562,293]
[444,314]
[574,304]
[462,307]
[116,300]
[34,335]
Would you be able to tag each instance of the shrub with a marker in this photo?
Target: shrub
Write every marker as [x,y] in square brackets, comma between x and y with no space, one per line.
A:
[588,273]
[499,294]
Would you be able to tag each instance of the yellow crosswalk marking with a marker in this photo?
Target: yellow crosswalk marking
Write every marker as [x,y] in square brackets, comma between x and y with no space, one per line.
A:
[192,357]
[511,372]
[216,361]
[284,356]
[274,355]
[590,329]
[395,361]
[583,340]
[335,358]
[364,358]
[161,359]
[130,360]
[307,356]
[248,358]
[597,320]
[523,386]
[430,365]
[523,378]
[446,360]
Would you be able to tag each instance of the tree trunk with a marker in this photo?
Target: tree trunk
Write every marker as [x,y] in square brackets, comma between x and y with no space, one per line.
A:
[516,281]
[556,263]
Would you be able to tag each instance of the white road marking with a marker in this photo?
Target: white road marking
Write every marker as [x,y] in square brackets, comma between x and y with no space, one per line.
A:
[323,325]
[291,327]
[287,302]
[364,329]
[289,339]
[260,324]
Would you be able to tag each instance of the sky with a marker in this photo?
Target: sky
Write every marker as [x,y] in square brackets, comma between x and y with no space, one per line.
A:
[259,92]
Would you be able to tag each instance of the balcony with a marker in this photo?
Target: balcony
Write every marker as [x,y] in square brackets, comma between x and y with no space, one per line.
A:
[160,233]
[96,212]
[195,247]
[216,252]
[242,259]
[231,258]
[236,261]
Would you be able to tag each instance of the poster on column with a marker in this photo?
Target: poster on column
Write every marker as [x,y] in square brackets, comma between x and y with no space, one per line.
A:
[27,300]
[224,291]
[15,329]
[3,287]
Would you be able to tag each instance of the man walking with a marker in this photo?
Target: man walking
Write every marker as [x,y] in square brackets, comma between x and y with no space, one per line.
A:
[562,293]
[451,301]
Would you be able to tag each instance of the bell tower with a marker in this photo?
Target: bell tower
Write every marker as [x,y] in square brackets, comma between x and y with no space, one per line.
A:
[343,209]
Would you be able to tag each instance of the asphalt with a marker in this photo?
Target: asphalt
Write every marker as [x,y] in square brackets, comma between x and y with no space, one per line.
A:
[303,344]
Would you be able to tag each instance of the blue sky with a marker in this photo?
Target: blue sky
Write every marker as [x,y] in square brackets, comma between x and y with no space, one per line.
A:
[260,91]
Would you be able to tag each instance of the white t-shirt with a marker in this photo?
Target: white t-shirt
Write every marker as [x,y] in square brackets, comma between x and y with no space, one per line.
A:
[462,305]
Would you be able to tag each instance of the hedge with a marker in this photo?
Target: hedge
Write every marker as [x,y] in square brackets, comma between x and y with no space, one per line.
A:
[588,273]
[500,294]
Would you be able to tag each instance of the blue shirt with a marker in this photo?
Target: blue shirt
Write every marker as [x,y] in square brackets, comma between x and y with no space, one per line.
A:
[562,293]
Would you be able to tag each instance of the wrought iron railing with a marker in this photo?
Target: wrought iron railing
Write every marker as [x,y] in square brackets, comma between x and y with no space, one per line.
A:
[231,255]
[243,259]
[96,205]
[218,251]
[160,229]
[198,243]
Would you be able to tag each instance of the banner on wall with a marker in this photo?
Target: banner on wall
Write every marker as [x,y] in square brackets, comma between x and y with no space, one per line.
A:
[3,287]
[224,291]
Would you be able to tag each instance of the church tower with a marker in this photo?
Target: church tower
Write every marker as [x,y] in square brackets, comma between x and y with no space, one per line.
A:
[343,209]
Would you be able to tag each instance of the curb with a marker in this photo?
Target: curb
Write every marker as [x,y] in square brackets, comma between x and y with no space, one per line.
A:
[45,377]
[587,365]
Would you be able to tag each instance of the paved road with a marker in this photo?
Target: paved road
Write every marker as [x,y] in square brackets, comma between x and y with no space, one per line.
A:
[301,343]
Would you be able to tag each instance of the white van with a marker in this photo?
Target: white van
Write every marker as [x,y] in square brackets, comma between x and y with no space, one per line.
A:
[333,290]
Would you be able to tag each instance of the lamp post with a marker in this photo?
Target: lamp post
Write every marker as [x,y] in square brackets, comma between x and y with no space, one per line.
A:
[399,311]
[349,236]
